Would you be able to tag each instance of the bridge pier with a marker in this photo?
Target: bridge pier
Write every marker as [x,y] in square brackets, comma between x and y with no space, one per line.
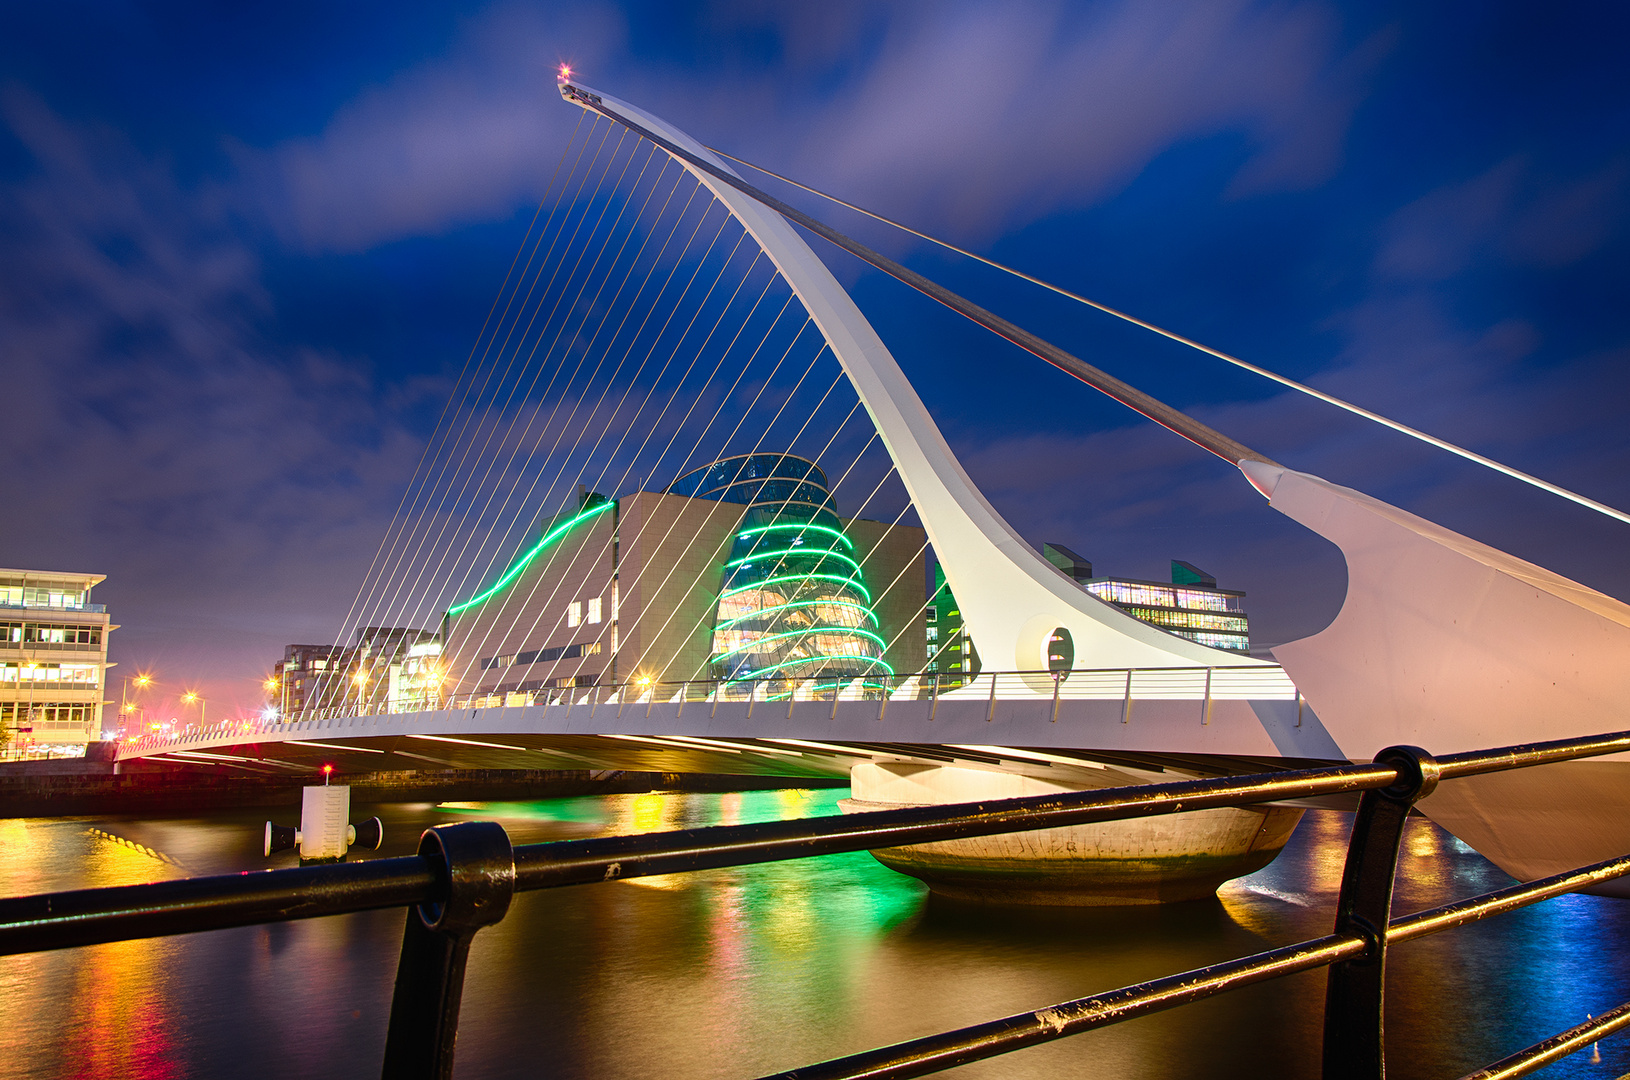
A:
[1141,861]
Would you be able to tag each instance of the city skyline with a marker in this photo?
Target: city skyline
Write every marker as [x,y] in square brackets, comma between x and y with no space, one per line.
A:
[246,259]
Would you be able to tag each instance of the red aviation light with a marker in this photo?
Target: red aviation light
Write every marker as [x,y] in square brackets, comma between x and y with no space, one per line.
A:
[565,72]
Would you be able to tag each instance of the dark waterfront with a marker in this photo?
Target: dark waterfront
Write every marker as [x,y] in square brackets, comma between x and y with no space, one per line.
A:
[735,973]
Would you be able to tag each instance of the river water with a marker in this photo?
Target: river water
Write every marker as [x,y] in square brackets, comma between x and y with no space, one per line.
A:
[736,973]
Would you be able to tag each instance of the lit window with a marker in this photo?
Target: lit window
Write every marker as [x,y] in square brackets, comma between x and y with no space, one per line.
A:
[574,613]
[594,609]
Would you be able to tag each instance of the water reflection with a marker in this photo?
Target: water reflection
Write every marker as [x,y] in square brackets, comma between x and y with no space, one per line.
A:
[732,973]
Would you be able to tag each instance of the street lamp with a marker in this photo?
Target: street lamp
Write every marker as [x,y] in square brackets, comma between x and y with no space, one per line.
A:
[128,707]
[191,696]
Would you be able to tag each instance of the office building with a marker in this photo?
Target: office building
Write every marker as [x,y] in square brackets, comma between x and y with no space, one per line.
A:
[387,669]
[1191,606]
[951,653]
[53,662]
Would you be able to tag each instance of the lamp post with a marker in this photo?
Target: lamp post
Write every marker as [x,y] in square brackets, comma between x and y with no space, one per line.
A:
[191,696]
[127,704]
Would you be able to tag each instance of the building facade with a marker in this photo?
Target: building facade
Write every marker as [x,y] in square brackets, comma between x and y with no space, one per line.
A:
[1191,606]
[740,572]
[951,653]
[387,669]
[53,662]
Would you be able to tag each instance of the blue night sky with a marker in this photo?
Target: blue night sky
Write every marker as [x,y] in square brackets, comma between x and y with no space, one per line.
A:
[247,248]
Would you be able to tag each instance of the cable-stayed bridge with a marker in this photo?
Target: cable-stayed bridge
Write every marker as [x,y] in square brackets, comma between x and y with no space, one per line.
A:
[623,549]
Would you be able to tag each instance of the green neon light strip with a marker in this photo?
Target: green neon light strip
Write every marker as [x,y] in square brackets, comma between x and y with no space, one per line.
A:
[804,633]
[862,608]
[849,581]
[513,572]
[873,660]
[814,553]
[797,528]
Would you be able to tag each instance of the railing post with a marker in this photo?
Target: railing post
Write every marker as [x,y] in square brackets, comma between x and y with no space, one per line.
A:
[1354,1009]
[934,697]
[479,865]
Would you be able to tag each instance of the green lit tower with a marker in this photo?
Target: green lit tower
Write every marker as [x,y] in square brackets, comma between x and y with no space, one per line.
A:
[794,608]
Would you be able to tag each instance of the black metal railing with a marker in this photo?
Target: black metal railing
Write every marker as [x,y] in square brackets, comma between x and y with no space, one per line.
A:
[464,876]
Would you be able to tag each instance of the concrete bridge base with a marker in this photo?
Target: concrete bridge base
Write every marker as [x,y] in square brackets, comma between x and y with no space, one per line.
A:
[1145,861]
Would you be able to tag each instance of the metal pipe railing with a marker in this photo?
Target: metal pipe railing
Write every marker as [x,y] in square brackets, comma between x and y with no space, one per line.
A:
[1200,683]
[464,875]
[933,1053]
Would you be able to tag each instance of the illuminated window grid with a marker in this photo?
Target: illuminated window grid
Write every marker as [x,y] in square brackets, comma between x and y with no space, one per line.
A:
[1163,596]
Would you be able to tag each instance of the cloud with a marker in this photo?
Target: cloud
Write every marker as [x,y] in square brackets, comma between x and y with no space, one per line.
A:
[455,140]
[222,480]
[1509,214]
[979,116]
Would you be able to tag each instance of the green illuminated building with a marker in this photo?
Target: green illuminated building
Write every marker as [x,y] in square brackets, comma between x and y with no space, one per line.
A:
[741,571]
[950,650]
[794,606]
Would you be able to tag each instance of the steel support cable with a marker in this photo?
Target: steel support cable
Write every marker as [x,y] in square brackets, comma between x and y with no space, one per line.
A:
[408,550]
[472,412]
[471,480]
[779,511]
[561,432]
[679,385]
[550,424]
[1330,399]
[425,455]
[447,470]
[444,423]
[719,504]
[701,307]
[539,474]
[1202,435]
[724,401]
[701,220]
[486,511]
[905,569]
[627,428]
[685,376]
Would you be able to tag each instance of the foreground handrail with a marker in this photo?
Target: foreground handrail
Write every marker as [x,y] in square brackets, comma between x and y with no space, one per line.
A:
[88,916]
[933,1053]
[464,875]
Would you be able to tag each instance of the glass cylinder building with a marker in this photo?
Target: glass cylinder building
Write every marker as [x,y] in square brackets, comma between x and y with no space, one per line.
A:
[794,608]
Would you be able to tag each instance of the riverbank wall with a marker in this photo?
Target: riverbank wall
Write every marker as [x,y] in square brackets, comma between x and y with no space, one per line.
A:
[40,792]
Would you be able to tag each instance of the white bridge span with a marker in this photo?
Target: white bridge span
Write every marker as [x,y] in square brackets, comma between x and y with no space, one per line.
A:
[1442,642]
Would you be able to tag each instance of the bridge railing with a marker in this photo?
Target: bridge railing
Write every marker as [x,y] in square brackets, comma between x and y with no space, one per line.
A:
[464,875]
[1200,684]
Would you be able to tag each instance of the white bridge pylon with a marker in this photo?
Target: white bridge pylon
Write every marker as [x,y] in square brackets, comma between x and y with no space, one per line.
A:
[1012,600]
